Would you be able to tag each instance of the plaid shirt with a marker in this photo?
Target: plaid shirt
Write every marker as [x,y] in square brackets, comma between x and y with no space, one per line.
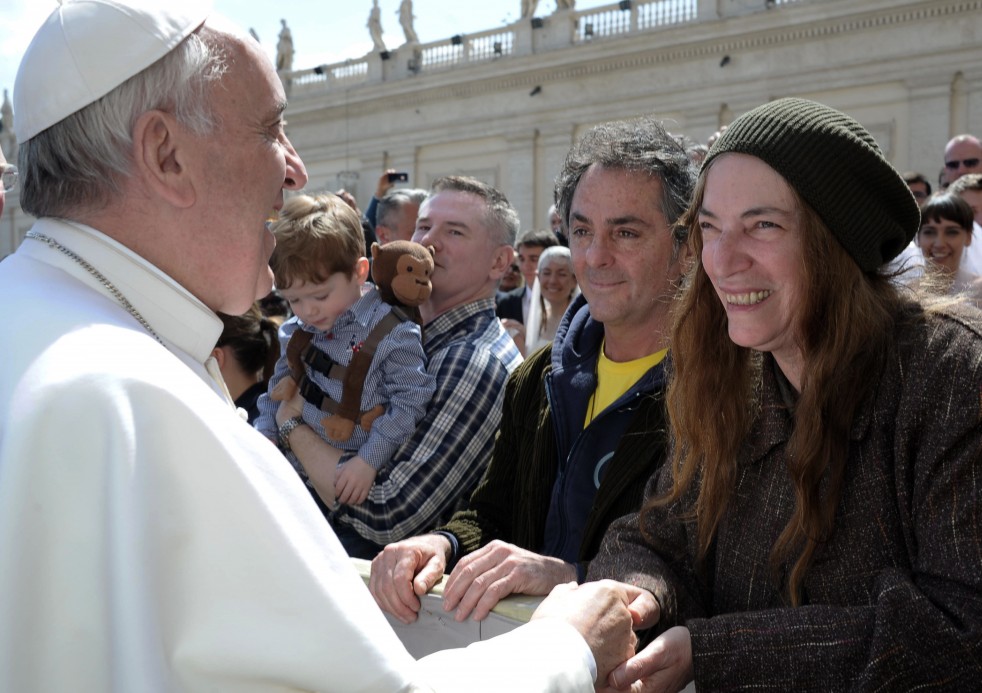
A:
[471,357]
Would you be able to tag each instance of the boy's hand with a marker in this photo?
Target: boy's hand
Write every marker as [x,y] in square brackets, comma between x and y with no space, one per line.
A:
[355,478]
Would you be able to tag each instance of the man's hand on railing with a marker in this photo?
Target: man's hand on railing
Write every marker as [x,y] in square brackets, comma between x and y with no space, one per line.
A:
[405,571]
[483,578]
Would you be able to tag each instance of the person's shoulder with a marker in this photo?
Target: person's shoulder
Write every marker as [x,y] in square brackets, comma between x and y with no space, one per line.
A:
[533,369]
[406,334]
[508,304]
[538,361]
[115,361]
[949,334]
[954,318]
[476,335]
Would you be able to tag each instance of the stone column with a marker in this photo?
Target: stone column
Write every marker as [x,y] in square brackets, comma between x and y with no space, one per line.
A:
[928,99]
[700,123]
[554,141]
[373,162]
[972,85]
[403,156]
[519,182]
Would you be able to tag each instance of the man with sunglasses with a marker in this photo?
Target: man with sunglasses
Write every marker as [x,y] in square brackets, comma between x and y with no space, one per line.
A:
[963,154]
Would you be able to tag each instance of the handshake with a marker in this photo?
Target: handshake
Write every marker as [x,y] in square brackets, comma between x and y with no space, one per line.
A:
[605,613]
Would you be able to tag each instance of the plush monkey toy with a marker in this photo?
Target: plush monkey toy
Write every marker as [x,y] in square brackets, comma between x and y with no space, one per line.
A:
[401,272]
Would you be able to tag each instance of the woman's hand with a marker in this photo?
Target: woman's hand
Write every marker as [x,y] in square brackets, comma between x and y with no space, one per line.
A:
[664,665]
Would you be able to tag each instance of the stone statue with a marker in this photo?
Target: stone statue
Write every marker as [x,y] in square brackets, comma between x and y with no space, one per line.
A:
[406,20]
[375,26]
[284,49]
[528,8]
[6,114]
[565,4]
[7,140]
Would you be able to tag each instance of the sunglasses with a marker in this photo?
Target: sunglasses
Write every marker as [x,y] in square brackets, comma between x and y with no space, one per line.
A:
[967,163]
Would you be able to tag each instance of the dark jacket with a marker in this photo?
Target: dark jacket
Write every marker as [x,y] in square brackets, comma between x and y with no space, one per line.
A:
[512,502]
[893,599]
[508,304]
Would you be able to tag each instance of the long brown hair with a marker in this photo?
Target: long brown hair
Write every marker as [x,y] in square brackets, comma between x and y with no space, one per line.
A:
[844,329]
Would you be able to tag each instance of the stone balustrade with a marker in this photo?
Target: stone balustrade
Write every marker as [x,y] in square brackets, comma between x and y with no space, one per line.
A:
[561,29]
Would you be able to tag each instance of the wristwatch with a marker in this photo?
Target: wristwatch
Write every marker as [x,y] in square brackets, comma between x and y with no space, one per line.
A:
[286,429]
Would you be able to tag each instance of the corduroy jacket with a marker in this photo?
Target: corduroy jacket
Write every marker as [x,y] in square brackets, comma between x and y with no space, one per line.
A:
[512,501]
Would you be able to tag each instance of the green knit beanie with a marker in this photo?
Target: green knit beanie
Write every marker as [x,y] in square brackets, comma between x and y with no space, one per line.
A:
[837,167]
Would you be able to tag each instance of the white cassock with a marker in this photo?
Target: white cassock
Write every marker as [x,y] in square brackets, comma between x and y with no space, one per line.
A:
[150,540]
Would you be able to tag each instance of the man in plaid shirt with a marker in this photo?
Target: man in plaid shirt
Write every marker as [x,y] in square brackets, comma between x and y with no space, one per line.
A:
[472,227]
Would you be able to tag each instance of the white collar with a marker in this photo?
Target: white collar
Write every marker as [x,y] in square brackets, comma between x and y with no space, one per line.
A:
[182,321]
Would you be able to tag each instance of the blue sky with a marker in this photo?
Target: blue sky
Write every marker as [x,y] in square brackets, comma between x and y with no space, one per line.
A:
[323,32]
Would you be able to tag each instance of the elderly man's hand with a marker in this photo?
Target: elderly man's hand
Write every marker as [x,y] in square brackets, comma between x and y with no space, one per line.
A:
[405,571]
[483,578]
[605,613]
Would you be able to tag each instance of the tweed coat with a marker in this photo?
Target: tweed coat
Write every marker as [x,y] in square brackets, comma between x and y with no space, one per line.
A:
[893,600]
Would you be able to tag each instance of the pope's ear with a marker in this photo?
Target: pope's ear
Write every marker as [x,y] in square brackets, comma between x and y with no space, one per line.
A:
[160,149]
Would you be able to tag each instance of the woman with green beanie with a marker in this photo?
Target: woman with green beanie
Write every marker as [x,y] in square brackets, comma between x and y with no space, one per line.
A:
[820,526]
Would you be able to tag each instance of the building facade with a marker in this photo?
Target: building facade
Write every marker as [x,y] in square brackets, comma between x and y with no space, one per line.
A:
[504,105]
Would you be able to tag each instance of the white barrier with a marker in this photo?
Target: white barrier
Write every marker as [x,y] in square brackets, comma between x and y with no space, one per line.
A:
[436,629]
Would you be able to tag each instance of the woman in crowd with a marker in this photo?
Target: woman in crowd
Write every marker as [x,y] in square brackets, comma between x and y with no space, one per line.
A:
[246,353]
[820,526]
[946,230]
[554,289]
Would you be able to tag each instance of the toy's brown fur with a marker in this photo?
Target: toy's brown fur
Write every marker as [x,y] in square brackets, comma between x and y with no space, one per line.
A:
[401,270]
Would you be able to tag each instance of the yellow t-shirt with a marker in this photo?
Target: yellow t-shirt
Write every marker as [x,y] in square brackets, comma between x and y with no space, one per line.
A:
[614,379]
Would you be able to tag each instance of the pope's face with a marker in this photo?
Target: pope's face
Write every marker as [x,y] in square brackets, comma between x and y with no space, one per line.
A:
[246,162]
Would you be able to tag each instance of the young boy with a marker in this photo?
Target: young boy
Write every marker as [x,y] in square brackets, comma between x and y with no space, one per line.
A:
[320,270]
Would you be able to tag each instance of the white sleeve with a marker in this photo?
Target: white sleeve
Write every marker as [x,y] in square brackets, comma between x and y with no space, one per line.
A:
[547,655]
[153,541]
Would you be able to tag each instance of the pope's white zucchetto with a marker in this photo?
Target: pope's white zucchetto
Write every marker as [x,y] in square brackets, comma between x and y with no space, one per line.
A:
[87,48]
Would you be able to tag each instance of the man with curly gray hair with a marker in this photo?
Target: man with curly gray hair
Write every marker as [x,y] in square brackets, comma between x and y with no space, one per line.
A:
[583,419]
[151,539]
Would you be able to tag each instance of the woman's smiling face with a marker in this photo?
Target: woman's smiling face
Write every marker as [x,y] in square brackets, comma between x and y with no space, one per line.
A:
[752,254]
